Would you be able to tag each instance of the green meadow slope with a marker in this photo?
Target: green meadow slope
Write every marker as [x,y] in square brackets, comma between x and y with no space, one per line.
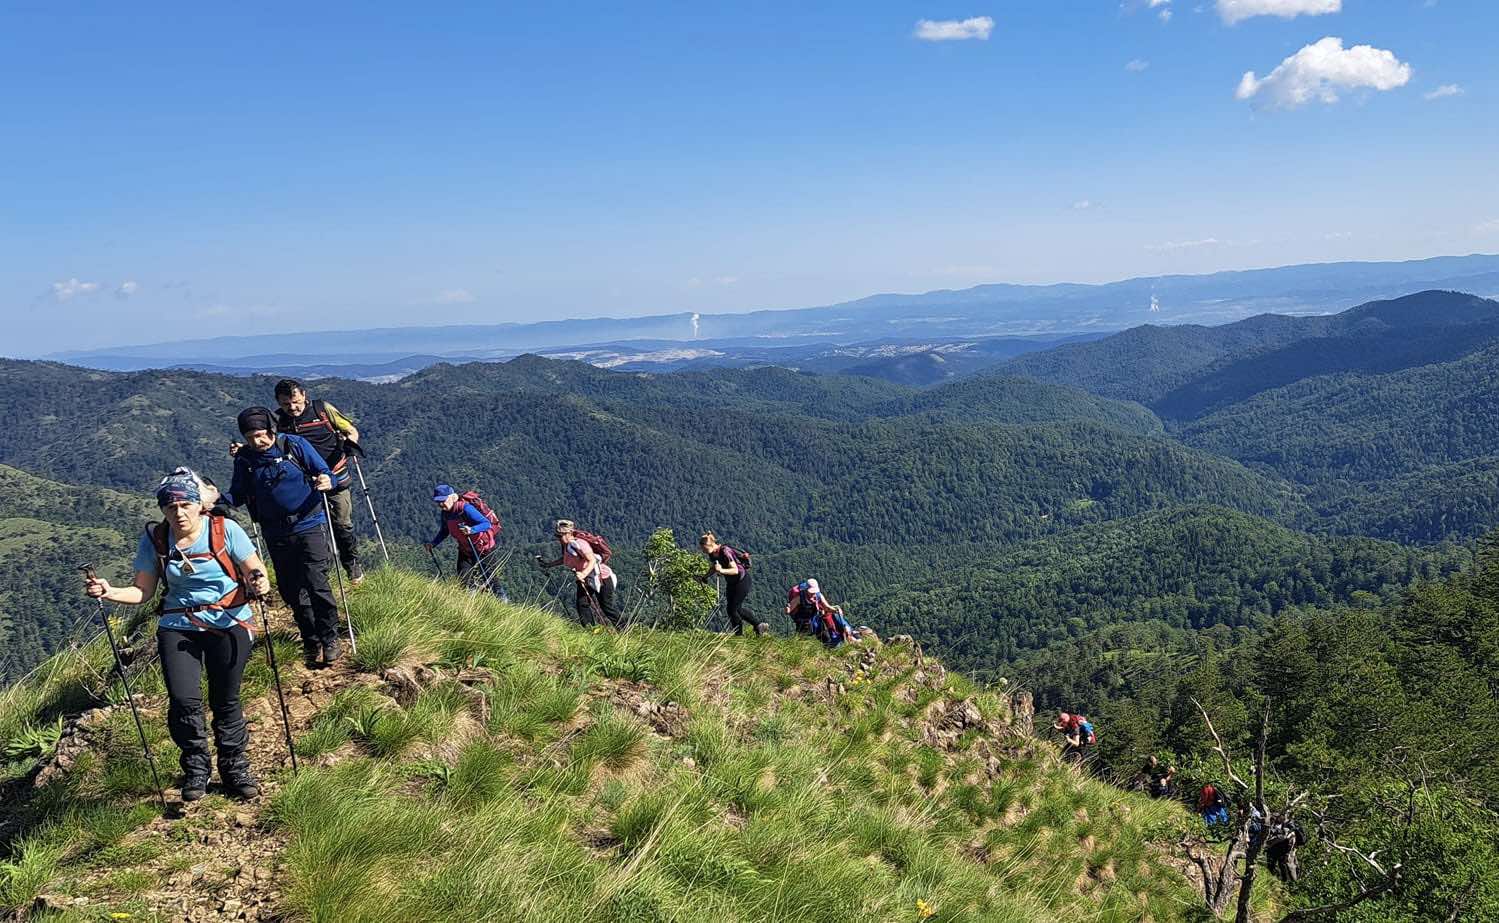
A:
[480,761]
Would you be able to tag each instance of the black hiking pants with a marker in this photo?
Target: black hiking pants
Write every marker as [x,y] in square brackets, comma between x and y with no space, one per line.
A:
[302,560]
[736,594]
[185,656]
[473,574]
[341,505]
[597,607]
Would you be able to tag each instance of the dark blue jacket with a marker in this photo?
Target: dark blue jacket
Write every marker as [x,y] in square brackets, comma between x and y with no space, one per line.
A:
[277,489]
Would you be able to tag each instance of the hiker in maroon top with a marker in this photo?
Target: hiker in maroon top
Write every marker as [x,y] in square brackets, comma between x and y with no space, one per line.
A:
[734,567]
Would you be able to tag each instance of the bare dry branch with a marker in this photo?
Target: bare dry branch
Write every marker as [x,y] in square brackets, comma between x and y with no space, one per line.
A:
[1220,748]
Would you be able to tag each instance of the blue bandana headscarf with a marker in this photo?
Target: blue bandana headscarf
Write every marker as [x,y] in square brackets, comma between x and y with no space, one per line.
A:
[178,488]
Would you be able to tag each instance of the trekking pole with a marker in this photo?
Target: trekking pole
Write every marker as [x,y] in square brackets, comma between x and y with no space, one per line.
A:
[140,729]
[436,565]
[259,545]
[369,501]
[478,566]
[270,658]
[338,570]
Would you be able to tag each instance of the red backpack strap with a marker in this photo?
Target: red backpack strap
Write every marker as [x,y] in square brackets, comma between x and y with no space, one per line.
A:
[157,533]
[218,546]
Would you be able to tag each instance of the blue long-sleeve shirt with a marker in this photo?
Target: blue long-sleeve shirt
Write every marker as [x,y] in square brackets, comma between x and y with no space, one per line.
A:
[277,489]
[475,520]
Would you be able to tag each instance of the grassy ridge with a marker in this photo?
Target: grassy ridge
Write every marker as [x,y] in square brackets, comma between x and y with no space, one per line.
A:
[496,762]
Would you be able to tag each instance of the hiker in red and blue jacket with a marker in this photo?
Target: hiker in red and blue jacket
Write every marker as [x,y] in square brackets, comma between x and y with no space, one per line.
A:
[1078,733]
[474,528]
[203,564]
[280,480]
[812,614]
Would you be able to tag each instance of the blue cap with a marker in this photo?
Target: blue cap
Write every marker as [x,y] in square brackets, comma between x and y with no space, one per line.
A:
[441,492]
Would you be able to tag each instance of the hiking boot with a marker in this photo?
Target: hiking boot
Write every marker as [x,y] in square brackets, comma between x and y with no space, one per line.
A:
[762,629]
[235,777]
[311,652]
[196,769]
[194,786]
[332,650]
[241,787]
[356,574]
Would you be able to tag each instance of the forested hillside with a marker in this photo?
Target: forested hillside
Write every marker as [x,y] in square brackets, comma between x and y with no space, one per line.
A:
[1386,416]
[46,529]
[1385,714]
[773,460]
[1183,372]
[1187,569]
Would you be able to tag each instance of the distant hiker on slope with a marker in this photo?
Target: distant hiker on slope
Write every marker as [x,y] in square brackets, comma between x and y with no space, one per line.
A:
[1212,805]
[734,567]
[279,479]
[812,614]
[474,528]
[587,555]
[329,431]
[1159,778]
[1077,731]
[205,562]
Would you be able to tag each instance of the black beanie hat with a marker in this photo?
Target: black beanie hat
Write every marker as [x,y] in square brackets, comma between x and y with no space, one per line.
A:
[256,418]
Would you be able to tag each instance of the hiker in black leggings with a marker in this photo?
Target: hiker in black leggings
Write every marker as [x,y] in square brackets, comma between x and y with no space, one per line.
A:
[734,567]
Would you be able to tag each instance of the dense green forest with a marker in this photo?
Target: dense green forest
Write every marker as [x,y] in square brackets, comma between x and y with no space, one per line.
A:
[880,488]
[1387,713]
[1185,570]
[774,460]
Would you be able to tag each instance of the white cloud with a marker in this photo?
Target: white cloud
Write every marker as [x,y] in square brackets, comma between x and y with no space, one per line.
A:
[1233,11]
[1082,205]
[71,288]
[1163,8]
[455,296]
[1490,226]
[1318,71]
[1444,91]
[127,288]
[1173,245]
[1137,65]
[726,280]
[948,30]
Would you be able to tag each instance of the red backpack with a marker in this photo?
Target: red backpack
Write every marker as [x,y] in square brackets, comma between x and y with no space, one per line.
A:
[597,543]
[472,498]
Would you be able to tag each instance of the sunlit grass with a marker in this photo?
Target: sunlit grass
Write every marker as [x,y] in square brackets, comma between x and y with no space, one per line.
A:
[552,773]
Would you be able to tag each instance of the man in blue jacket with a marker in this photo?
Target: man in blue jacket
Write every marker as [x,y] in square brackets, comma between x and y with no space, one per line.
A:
[280,479]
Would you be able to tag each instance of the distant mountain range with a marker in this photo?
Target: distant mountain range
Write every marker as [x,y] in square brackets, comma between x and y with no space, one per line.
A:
[927,329]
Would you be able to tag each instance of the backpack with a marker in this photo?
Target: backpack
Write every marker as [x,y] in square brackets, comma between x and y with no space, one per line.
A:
[218,550]
[597,543]
[741,556]
[1085,731]
[472,498]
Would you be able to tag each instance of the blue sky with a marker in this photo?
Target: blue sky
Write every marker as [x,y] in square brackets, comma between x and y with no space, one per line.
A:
[195,170]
